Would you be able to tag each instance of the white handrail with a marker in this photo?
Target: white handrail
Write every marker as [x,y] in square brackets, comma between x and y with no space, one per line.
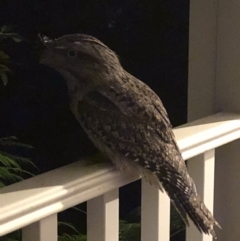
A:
[36,198]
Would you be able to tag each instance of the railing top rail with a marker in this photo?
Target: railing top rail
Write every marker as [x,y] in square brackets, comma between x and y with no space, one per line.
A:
[207,133]
[33,199]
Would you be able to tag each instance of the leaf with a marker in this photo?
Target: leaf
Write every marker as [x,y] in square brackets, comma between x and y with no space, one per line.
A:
[19,171]
[79,210]
[6,28]
[2,184]
[129,231]
[17,39]
[134,216]
[3,28]
[14,236]
[8,138]
[178,231]
[68,237]
[3,55]
[14,143]
[13,36]
[177,224]
[4,79]
[6,161]
[69,225]
[22,160]
[6,174]
[4,68]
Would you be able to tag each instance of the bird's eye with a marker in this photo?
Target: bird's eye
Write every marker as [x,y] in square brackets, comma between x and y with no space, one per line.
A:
[72,53]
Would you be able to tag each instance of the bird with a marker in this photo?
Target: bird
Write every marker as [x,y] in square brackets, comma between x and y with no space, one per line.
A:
[126,120]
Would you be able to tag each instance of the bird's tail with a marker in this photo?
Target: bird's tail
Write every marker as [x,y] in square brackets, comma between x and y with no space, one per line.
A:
[194,207]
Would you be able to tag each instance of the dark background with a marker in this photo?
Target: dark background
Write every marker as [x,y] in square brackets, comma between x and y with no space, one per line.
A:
[151,39]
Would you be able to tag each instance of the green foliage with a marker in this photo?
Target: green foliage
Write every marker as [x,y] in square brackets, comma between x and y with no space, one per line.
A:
[69,225]
[177,224]
[4,59]
[11,169]
[68,237]
[12,166]
[15,236]
[5,34]
[129,231]
[79,210]
[71,237]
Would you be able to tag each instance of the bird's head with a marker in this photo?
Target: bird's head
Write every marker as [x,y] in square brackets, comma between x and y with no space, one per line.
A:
[80,58]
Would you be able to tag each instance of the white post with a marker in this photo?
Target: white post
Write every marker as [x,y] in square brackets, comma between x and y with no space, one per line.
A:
[103,217]
[44,230]
[203,34]
[155,214]
[201,168]
[202,58]
[227,195]
[214,47]
[227,206]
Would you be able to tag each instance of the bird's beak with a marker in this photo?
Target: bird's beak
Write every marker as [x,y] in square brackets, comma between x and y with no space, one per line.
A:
[45,40]
[47,44]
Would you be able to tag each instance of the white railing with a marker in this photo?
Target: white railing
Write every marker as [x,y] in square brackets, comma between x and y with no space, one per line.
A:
[33,204]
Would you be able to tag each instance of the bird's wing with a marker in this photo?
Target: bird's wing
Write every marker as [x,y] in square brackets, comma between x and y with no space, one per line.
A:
[129,140]
[134,98]
[100,112]
[148,142]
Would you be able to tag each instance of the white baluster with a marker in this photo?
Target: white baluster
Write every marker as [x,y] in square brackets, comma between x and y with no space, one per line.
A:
[103,217]
[201,169]
[155,218]
[43,230]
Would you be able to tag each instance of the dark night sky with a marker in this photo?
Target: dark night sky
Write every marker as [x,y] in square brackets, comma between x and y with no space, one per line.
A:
[150,37]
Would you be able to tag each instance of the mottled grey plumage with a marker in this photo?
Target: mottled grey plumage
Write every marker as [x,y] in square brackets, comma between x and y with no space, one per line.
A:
[125,119]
